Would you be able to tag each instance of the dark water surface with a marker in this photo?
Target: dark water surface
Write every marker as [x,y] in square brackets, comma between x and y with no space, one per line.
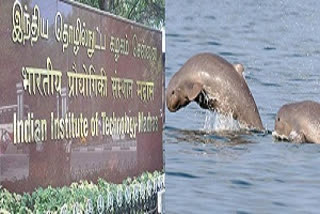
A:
[278,42]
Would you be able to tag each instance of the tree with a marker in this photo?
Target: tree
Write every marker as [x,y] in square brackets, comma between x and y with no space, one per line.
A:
[147,12]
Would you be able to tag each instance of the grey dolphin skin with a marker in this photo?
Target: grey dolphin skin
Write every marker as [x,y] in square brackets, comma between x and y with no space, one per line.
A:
[298,122]
[214,84]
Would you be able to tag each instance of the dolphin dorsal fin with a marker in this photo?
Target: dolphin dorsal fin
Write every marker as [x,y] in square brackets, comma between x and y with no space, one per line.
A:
[239,68]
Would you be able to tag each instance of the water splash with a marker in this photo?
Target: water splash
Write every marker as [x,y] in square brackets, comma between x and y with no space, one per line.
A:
[218,122]
[277,136]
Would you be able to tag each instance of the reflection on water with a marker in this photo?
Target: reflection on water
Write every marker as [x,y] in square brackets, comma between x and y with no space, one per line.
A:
[214,171]
[222,138]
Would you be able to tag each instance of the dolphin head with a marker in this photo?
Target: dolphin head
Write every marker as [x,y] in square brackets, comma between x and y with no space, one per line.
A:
[283,125]
[176,99]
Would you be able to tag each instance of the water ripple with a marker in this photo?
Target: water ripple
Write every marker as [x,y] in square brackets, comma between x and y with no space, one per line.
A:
[241,183]
[210,17]
[269,48]
[181,174]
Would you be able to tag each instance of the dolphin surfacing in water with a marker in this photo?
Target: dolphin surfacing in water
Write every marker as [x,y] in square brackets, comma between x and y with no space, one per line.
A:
[214,84]
[298,122]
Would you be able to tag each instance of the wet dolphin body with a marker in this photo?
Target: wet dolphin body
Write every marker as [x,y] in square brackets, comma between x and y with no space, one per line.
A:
[214,84]
[298,122]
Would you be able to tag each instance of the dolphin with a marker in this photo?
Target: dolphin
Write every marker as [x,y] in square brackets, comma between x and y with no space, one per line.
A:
[214,84]
[298,122]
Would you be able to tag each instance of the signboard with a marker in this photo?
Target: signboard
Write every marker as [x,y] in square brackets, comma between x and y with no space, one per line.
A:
[81,96]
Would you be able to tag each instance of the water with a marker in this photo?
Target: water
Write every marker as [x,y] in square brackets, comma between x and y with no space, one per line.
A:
[236,172]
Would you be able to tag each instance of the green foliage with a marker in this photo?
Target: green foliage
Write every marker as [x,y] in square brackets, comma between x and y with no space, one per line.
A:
[147,12]
[85,196]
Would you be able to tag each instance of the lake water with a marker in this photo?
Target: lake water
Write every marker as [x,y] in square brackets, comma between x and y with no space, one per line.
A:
[278,42]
